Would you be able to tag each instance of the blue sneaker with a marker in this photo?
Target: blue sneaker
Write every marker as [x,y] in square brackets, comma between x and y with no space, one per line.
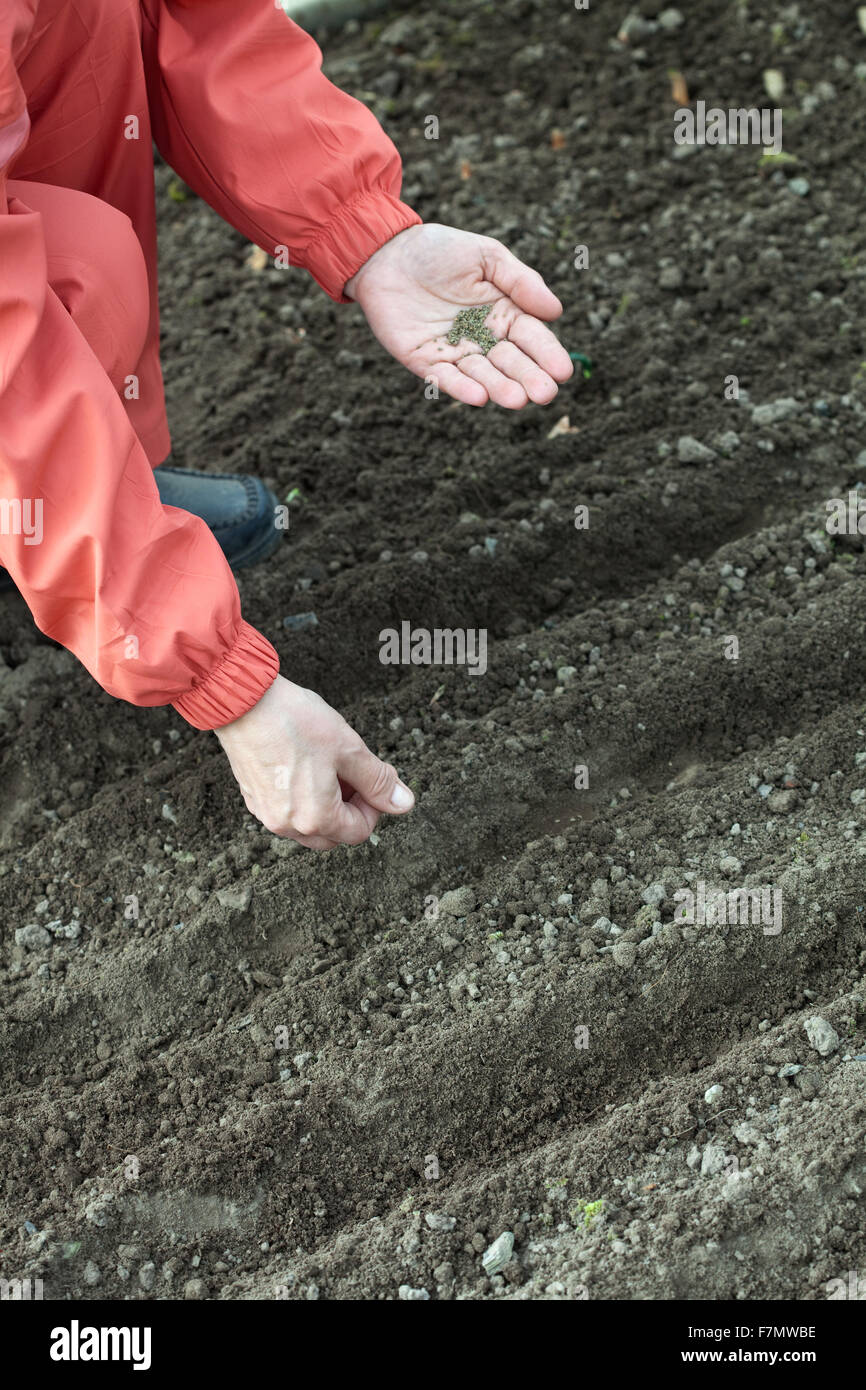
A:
[239,510]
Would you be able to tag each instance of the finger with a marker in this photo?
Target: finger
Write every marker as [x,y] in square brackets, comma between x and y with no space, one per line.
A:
[499,388]
[349,825]
[523,285]
[334,821]
[452,381]
[542,346]
[515,364]
[313,840]
[318,842]
[370,814]
[377,782]
[328,820]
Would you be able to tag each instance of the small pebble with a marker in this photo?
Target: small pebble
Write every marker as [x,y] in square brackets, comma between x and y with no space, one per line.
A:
[438,1222]
[237,899]
[654,895]
[822,1036]
[713,1160]
[624,954]
[690,450]
[33,937]
[458,902]
[300,622]
[775,411]
[497,1255]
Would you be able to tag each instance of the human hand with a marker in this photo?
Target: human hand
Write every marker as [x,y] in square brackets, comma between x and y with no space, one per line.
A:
[295,759]
[413,288]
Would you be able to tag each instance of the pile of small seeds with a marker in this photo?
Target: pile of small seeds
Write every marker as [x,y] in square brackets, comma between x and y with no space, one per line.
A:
[469,324]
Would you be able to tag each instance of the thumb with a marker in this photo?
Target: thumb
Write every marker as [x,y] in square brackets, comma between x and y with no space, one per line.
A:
[376,781]
[523,285]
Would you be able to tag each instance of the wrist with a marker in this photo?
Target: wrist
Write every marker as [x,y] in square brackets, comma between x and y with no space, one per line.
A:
[354,286]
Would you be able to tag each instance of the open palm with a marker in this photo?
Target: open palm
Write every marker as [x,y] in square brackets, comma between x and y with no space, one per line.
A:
[413,288]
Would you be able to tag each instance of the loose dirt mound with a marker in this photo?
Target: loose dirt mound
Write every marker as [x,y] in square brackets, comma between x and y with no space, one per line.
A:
[321,1076]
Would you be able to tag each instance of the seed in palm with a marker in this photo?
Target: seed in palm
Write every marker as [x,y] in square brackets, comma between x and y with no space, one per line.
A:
[469,324]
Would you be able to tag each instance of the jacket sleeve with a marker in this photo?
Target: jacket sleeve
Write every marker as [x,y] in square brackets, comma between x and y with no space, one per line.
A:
[140,593]
[241,110]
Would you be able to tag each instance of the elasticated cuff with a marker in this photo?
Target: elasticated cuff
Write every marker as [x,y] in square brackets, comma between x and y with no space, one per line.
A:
[239,679]
[360,228]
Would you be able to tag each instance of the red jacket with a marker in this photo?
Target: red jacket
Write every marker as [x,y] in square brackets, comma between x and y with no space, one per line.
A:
[239,107]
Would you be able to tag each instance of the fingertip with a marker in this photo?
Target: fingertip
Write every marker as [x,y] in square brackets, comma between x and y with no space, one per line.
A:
[535,297]
[513,399]
[557,310]
[560,371]
[542,393]
[478,392]
[459,387]
[402,799]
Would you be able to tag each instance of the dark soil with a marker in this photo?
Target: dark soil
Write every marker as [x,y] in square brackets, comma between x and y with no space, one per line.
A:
[267,1083]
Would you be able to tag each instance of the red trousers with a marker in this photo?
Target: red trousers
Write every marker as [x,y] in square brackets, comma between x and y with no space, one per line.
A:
[233,94]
